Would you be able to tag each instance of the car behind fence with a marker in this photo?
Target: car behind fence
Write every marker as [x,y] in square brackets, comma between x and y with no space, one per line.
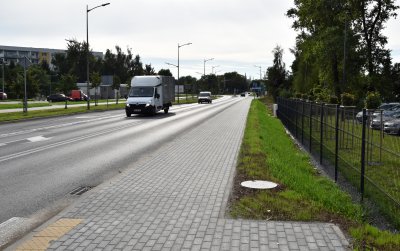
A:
[356,150]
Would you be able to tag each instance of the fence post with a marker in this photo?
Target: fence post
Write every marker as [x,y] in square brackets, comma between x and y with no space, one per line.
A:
[310,148]
[321,138]
[364,122]
[296,114]
[302,122]
[336,143]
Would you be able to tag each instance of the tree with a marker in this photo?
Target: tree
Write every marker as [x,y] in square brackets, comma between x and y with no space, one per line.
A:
[67,83]
[396,81]
[95,83]
[232,82]
[276,74]
[119,64]
[17,81]
[109,63]
[164,72]
[45,66]
[136,67]
[37,80]
[371,16]
[149,70]
[116,85]
[188,82]
[338,41]
[116,82]
[75,61]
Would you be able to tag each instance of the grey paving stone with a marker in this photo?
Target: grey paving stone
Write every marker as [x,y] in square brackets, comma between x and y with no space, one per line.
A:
[175,198]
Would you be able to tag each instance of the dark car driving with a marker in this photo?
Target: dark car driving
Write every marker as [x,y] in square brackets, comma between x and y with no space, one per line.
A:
[3,95]
[57,98]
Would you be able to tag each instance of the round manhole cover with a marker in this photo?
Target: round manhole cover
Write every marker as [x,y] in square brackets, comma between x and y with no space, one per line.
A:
[259,184]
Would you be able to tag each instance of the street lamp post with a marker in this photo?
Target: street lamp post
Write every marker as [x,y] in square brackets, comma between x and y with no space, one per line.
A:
[205,60]
[3,75]
[179,46]
[25,103]
[212,68]
[260,69]
[87,49]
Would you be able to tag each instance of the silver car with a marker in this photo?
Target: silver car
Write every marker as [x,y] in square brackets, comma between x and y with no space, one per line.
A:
[378,121]
[392,126]
[204,97]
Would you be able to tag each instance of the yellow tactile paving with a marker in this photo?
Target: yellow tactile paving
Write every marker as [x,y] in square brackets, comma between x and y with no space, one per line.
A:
[54,231]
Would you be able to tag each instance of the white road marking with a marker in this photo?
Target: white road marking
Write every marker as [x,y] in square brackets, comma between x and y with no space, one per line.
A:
[56,126]
[37,139]
[83,117]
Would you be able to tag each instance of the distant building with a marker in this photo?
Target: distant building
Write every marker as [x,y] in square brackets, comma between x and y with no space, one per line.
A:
[35,55]
[105,89]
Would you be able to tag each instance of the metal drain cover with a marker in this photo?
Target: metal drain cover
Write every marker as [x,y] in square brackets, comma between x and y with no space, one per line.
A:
[259,184]
[80,190]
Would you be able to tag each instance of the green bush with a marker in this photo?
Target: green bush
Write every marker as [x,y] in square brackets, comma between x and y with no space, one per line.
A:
[333,99]
[373,100]
[348,99]
[285,93]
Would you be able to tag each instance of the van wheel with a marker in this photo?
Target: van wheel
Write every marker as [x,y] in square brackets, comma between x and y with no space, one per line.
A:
[166,110]
[128,114]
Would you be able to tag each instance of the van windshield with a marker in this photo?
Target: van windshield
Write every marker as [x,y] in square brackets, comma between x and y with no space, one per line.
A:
[205,94]
[141,92]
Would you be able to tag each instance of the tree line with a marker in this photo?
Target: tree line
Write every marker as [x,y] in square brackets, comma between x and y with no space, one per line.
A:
[339,54]
[70,68]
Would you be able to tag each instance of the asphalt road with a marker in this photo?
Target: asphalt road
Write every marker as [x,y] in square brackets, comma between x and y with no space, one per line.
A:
[42,161]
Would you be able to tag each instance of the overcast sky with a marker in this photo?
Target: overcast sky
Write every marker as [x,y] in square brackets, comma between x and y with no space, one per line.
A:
[238,34]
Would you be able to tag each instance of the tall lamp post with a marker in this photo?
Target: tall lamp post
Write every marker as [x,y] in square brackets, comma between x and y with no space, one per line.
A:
[212,68]
[179,46]
[205,60]
[87,49]
[3,75]
[25,109]
[260,69]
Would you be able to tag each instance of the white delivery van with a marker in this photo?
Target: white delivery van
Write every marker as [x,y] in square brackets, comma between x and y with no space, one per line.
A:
[150,94]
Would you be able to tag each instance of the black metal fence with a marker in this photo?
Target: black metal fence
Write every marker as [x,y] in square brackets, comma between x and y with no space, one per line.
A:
[349,146]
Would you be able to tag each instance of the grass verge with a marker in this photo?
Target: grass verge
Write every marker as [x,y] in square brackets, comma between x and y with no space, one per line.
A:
[267,153]
[20,105]
[5,105]
[15,116]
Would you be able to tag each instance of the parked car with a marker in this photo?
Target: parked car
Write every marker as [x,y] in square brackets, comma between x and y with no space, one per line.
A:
[243,94]
[204,97]
[392,126]
[78,95]
[380,120]
[3,95]
[385,107]
[58,98]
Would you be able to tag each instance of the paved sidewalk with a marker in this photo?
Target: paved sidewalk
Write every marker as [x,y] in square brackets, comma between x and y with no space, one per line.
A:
[176,199]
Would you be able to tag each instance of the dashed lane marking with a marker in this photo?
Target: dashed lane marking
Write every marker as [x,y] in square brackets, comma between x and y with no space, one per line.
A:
[37,139]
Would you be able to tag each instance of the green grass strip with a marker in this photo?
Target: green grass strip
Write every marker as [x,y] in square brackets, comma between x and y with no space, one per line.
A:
[20,105]
[16,116]
[268,153]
